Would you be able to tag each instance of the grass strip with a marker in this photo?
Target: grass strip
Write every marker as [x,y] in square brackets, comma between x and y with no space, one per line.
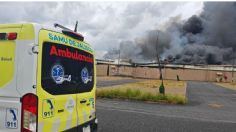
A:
[140,96]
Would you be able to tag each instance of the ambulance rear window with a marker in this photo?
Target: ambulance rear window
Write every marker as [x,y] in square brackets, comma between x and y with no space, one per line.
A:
[66,70]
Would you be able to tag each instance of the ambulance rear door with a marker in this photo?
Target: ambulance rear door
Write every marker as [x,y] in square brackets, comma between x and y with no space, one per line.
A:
[86,89]
[55,85]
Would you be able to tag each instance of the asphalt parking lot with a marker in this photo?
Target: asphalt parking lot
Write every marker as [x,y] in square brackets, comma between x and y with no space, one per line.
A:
[210,108]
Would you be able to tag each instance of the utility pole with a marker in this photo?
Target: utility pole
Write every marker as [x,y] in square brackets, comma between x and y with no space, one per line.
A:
[119,62]
[161,88]
[232,80]
[158,59]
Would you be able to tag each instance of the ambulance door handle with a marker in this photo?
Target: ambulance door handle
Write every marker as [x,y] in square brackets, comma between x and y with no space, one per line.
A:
[61,110]
[83,101]
[35,49]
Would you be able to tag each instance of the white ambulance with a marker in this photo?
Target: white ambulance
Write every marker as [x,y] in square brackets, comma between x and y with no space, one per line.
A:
[47,79]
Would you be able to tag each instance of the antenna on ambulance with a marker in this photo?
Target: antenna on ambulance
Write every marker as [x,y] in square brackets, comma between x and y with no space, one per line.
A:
[76,26]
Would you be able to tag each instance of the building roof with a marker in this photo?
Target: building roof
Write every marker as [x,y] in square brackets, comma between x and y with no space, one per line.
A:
[174,66]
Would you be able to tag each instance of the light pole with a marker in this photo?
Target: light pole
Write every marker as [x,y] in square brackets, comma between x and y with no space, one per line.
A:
[119,62]
[232,80]
[161,88]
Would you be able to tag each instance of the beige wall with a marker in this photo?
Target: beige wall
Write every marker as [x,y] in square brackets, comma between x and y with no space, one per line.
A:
[168,73]
[172,73]
[125,70]
[101,70]
[146,72]
[185,74]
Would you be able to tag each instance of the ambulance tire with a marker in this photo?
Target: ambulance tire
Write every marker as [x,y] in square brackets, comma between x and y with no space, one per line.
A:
[94,127]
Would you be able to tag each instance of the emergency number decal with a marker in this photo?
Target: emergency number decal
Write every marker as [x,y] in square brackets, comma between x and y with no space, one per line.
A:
[11,118]
[48,108]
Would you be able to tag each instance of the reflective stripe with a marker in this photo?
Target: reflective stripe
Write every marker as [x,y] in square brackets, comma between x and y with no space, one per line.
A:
[56,124]
[92,113]
[40,127]
[78,121]
[85,116]
[69,122]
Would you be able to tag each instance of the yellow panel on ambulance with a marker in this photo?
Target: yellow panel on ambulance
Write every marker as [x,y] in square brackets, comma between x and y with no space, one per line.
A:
[11,36]
[9,104]
[8,35]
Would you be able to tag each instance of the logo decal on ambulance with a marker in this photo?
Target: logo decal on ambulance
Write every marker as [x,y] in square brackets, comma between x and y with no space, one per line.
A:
[85,75]
[70,105]
[11,118]
[57,73]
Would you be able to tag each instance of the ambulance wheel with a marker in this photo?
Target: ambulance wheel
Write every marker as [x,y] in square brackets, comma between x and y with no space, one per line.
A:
[94,126]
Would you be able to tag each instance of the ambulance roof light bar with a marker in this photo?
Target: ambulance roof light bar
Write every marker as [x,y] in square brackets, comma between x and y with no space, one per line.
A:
[8,36]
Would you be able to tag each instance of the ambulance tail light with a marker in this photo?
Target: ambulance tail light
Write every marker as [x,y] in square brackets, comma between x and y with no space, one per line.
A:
[8,36]
[29,113]
[12,36]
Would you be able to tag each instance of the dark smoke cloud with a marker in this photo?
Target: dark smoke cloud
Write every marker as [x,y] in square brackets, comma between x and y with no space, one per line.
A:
[220,24]
[203,54]
[112,54]
[193,25]
[155,42]
[208,38]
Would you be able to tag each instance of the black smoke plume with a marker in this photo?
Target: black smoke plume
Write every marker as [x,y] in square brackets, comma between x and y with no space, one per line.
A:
[207,38]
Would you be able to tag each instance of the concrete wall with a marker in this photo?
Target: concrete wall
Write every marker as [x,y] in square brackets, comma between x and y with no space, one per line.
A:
[122,70]
[101,70]
[146,72]
[197,75]
[168,73]
[184,74]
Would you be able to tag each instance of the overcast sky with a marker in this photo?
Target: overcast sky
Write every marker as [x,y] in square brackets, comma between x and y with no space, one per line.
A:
[104,25]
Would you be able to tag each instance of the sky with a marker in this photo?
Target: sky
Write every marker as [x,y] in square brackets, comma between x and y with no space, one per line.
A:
[104,24]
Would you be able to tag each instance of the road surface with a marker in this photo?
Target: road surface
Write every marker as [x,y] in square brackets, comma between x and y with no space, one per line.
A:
[211,108]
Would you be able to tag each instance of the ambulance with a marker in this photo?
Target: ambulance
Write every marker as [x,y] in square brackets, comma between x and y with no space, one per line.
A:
[47,79]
